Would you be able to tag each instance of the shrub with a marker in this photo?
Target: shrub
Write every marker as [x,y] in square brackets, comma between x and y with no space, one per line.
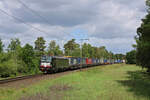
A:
[8,68]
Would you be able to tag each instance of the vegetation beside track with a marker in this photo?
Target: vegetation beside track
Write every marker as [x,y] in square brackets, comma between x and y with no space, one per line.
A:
[19,60]
[111,82]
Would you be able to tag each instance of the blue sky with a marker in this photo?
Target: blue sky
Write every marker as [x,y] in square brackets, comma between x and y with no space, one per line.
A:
[110,23]
[79,34]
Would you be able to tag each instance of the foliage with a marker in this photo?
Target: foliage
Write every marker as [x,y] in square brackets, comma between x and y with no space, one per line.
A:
[85,49]
[26,59]
[1,46]
[14,45]
[27,55]
[35,65]
[148,4]
[40,46]
[4,57]
[9,62]
[131,57]
[72,48]
[119,56]
[18,60]
[8,68]
[143,42]
[54,49]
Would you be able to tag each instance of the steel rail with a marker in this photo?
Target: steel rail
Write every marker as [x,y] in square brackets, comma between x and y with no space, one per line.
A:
[18,78]
[4,81]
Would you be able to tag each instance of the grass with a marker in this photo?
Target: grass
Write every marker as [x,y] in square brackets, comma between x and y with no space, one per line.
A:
[19,75]
[111,82]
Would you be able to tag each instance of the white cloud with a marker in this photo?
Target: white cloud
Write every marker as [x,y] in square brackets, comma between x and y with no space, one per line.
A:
[111,23]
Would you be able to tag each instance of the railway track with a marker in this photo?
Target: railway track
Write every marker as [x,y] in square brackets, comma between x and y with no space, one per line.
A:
[19,78]
[31,76]
[4,81]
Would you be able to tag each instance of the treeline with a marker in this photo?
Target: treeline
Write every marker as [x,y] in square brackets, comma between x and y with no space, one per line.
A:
[143,41]
[72,48]
[141,56]
[18,59]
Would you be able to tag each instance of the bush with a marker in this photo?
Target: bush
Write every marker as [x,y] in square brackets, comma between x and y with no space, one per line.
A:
[8,68]
[35,66]
[131,57]
[22,67]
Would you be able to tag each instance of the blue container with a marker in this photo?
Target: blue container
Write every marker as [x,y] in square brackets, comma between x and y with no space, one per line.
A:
[79,61]
[93,61]
[72,61]
[105,61]
[119,61]
[97,61]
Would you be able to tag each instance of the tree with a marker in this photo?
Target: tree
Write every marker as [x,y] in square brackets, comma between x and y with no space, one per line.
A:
[8,68]
[14,49]
[95,52]
[103,53]
[27,54]
[148,4]
[85,49]
[72,48]
[54,49]
[120,56]
[14,45]
[40,46]
[143,41]
[30,61]
[1,46]
[131,57]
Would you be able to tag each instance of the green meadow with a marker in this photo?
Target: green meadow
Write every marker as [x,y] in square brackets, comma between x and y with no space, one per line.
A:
[109,82]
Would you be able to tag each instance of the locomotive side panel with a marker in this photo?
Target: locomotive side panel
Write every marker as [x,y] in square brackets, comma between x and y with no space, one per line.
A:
[60,63]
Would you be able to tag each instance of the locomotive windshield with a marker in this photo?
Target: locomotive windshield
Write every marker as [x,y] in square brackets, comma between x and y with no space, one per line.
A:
[46,59]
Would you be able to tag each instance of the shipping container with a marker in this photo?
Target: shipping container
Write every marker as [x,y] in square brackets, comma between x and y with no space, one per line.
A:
[83,61]
[93,61]
[88,61]
[105,61]
[79,61]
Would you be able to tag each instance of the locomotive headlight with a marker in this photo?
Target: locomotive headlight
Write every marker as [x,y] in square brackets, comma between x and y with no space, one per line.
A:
[44,64]
[48,64]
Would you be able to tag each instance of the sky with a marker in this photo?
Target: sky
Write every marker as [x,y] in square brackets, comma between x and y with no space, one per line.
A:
[110,23]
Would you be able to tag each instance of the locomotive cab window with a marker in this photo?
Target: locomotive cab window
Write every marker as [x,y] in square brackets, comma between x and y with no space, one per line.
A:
[46,59]
[49,59]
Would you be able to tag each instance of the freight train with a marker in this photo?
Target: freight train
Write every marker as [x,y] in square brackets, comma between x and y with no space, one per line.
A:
[55,64]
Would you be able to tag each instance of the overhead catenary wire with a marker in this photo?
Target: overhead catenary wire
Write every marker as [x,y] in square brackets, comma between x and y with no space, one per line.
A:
[33,11]
[19,19]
